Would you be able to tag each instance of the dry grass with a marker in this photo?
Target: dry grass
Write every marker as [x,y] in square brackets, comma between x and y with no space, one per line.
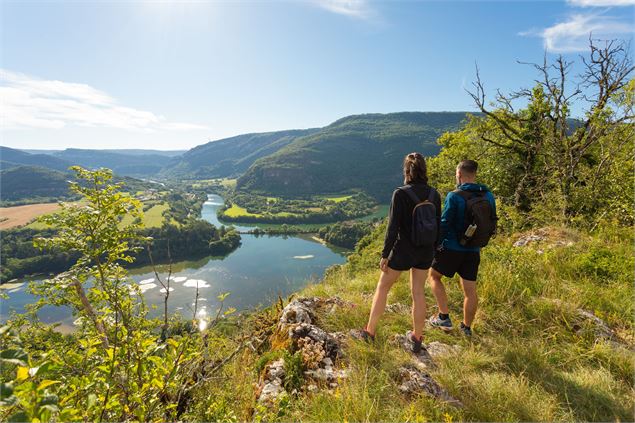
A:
[10,217]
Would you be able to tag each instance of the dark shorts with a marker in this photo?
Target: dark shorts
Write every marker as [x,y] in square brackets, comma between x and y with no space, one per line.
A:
[465,263]
[404,257]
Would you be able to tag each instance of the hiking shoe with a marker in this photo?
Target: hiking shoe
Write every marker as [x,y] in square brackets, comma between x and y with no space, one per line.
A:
[443,324]
[362,335]
[415,344]
[467,331]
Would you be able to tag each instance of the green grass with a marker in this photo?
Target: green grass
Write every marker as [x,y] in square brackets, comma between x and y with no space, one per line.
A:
[236,211]
[152,218]
[525,361]
[381,211]
[37,225]
[336,199]
[228,183]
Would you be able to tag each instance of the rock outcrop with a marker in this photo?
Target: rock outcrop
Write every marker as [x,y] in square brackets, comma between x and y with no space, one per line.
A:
[414,381]
[319,349]
[547,237]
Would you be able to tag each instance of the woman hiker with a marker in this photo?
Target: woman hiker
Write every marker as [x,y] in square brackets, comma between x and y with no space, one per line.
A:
[408,248]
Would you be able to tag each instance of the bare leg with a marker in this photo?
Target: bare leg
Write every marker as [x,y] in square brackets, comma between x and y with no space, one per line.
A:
[439,291]
[386,281]
[417,287]
[470,303]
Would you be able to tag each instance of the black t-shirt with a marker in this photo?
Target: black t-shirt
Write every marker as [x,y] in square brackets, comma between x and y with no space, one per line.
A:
[400,217]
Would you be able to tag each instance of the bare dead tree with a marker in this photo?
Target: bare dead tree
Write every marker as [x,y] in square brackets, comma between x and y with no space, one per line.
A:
[540,137]
[165,285]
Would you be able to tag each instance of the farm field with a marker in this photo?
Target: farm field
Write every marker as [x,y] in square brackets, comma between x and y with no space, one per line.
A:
[10,217]
[335,199]
[237,211]
[152,218]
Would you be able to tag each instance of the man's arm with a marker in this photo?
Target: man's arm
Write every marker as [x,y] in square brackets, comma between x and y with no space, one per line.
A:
[437,205]
[448,216]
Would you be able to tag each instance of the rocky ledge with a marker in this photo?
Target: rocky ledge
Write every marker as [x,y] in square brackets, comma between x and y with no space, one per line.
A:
[322,355]
[320,350]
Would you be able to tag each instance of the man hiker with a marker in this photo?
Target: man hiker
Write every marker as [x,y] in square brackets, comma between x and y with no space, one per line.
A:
[467,223]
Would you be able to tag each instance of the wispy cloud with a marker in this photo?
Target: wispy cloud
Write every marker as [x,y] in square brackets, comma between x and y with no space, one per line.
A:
[600,3]
[29,102]
[359,9]
[573,34]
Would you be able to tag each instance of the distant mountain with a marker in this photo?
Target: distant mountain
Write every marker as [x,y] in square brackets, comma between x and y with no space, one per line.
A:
[229,156]
[33,183]
[356,152]
[129,151]
[135,163]
[26,177]
[10,157]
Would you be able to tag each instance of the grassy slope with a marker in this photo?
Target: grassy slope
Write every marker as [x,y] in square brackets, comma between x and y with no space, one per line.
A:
[524,363]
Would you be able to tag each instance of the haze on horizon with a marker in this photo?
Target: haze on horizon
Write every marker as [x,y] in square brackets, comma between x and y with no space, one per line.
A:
[171,75]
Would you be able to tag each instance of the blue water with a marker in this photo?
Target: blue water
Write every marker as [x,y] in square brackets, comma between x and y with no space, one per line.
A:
[255,274]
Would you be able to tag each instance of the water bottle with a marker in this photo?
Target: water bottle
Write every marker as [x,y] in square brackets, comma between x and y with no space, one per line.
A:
[470,230]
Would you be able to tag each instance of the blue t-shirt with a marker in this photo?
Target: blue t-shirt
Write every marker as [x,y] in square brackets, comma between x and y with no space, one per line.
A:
[454,214]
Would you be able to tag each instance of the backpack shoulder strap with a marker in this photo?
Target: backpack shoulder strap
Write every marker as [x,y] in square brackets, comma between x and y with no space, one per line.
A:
[408,190]
[463,194]
[431,195]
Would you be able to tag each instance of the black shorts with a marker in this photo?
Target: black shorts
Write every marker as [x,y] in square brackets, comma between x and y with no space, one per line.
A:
[404,256]
[449,262]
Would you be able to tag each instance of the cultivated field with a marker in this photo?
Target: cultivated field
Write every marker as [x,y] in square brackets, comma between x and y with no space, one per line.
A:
[11,217]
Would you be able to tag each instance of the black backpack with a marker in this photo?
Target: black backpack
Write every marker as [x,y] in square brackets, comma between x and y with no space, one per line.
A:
[424,218]
[479,212]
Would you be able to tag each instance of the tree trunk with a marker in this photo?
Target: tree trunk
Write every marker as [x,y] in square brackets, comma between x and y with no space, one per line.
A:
[88,308]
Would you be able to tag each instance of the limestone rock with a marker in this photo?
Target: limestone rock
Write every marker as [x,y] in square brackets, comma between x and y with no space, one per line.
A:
[398,308]
[272,386]
[330,345]
[602,331]
[422,359]
[414,381]
[527,239]
[553,237]
[275,370]
[319,349]
[296,312]
[271,391]
[439,349]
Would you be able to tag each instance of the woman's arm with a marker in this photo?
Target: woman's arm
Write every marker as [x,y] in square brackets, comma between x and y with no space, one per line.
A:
[437,203]
[393,226]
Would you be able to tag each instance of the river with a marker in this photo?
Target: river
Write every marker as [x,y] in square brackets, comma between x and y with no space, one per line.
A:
[262,268]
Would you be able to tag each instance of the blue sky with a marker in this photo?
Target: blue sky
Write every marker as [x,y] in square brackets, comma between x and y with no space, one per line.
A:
[172,75]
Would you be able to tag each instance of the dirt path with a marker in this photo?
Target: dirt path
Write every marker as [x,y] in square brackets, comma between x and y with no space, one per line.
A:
[11,217]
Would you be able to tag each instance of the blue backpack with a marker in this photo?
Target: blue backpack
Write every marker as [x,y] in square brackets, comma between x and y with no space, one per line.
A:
[424,218]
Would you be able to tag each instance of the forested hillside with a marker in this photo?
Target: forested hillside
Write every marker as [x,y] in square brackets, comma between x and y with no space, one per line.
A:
[10,157]
[362,151]
[147,164]
[33,183]
[229,156]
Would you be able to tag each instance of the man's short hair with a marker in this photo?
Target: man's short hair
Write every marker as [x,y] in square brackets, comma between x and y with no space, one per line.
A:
[468,166]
